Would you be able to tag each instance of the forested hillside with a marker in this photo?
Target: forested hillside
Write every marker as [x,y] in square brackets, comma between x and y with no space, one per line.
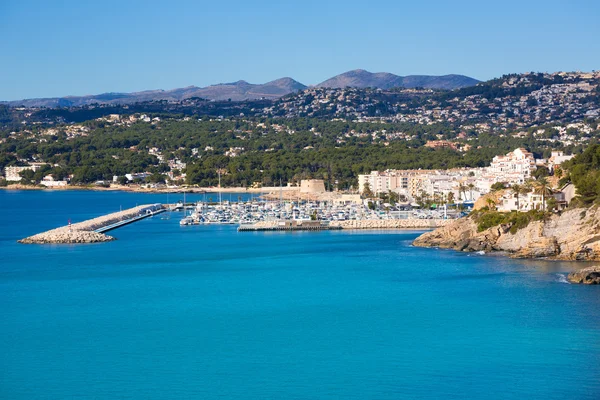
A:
[334,134]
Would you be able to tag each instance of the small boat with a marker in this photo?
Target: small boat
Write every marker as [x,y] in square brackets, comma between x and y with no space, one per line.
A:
[187,221]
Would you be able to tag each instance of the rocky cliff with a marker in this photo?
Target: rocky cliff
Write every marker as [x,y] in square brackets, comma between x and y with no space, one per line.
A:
[573,235]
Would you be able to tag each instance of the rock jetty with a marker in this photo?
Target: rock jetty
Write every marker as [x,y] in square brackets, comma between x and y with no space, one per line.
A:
[586,276]
[573,235]
[391,223]
[83,232]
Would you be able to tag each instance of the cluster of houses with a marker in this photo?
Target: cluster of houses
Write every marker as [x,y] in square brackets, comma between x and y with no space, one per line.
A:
[13,174]
[466,185]
[461,185]
[523,103]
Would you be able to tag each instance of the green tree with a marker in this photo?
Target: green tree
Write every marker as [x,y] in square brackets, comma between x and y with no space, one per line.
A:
[543,188]
[27,176]
[367,193]
[517,191]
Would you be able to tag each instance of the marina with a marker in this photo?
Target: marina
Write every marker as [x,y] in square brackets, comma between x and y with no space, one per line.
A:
[250,215]
[276,213]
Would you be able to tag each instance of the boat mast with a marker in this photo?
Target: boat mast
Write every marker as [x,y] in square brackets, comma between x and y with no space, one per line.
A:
[220,194]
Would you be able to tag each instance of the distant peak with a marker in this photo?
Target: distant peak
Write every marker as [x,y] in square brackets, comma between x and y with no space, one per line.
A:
[236,83]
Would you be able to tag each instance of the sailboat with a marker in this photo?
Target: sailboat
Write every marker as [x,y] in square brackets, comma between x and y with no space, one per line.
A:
[167,215]
[187,220]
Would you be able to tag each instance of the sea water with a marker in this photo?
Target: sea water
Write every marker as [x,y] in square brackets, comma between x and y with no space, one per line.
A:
[205,312]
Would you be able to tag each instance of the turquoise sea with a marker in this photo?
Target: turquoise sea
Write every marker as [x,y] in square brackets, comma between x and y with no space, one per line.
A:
[201,312]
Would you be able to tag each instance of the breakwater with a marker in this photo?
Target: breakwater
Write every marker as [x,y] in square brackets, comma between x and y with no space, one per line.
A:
[90,231]
[288,226]
[390,223]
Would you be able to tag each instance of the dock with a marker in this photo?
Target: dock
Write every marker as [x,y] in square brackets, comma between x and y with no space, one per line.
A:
[128,221]
[288,226]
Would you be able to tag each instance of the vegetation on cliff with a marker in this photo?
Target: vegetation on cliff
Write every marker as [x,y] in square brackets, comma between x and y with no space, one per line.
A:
[584,172]
[513,220]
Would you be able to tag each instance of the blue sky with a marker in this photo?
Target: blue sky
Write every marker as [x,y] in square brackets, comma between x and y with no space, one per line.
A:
[58,48]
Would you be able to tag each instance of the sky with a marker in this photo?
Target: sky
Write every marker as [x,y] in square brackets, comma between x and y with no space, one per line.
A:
[58,48]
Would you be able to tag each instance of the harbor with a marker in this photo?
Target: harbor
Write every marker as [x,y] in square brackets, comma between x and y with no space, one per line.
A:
[250,215]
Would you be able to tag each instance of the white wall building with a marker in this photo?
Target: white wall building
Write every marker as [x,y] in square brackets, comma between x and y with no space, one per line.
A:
[383,182]
[13,173]
[557,158]
[515,167]
[50,182]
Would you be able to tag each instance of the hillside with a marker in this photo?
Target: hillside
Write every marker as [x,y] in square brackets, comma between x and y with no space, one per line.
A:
[360,78]
[333,133]
[517,101]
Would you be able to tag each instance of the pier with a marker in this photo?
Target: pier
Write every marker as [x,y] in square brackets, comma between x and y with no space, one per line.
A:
[93,230]
[288,226]
[128,221]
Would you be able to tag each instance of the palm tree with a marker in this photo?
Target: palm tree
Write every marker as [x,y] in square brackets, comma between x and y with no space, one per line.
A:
[471,187]
[518,190]
[491,203]
[461,189]
[450,197]
[543,188]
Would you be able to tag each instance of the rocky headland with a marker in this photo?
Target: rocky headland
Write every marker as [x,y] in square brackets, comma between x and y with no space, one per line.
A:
[573,235]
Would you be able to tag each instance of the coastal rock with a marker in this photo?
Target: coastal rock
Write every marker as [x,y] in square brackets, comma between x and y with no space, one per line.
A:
[573,235]
[67,237]
[586,276]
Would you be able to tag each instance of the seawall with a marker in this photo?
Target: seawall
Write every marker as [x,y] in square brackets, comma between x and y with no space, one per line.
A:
[83,232]
[391,223]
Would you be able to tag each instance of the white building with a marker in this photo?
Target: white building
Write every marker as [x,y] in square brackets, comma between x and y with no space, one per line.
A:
[533,201]
[557,158]
[49,181]
[515,167]
[13,173]
[139,175]
[383,182]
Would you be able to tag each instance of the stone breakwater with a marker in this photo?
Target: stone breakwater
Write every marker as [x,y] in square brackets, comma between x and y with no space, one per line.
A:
[573,235]
[391,223]
[83,232]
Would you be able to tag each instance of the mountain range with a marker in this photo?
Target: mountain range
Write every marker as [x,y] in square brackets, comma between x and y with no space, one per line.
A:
[242,90]
[384,80]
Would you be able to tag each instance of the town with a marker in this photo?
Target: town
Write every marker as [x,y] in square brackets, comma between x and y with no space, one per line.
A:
[410,147]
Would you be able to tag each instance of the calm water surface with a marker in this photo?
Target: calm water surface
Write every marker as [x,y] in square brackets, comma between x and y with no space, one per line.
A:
[170,312]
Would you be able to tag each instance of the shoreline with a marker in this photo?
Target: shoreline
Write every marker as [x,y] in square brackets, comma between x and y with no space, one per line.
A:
[137,189]
[570,236]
